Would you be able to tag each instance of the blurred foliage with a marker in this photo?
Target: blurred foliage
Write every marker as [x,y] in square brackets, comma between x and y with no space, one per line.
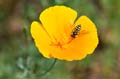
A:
[20,59]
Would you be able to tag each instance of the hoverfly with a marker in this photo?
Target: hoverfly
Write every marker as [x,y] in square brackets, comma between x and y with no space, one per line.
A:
[76,31]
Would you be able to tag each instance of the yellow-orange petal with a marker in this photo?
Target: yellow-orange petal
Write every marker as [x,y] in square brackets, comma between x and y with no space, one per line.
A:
[55,20]
[88,37]
[42,40]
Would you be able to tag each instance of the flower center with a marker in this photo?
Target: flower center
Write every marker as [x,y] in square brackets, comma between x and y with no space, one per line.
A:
[65,37]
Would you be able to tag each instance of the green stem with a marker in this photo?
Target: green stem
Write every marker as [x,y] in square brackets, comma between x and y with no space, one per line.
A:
[50,68]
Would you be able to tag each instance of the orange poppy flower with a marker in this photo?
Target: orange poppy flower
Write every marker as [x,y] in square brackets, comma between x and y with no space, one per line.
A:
[60,36]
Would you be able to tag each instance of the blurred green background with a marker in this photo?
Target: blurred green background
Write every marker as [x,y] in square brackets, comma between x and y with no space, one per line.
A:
[20,59]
